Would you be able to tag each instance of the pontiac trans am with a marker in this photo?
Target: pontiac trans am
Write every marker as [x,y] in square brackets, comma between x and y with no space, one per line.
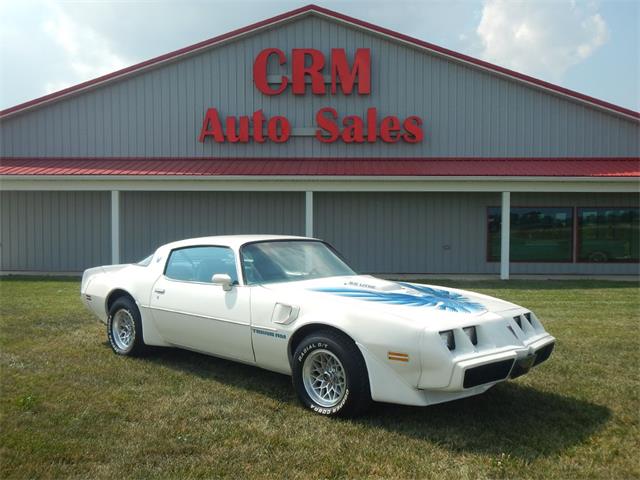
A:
[293,305]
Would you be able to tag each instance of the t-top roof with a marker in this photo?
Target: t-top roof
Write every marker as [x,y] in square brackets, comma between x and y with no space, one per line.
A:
[335,16]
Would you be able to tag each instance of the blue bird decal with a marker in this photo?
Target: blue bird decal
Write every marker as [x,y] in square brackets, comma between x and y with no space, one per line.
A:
[418,296]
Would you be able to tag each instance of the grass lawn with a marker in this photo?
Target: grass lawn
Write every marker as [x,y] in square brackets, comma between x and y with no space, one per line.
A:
[71,408]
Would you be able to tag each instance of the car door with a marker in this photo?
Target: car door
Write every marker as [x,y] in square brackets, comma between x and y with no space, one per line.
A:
[192,312]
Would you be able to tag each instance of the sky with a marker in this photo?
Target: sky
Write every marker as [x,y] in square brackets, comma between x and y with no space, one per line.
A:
[591,46]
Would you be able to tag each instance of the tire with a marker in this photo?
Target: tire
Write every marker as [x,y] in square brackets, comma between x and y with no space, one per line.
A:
[124,328]
[330,375]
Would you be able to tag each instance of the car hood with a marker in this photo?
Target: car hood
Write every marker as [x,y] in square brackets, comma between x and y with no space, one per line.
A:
[399,298]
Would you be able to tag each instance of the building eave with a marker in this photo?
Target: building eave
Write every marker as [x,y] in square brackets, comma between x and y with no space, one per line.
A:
[319,184]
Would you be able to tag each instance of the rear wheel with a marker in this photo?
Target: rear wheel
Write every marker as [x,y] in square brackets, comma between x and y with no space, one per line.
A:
[330,376]
[124,328]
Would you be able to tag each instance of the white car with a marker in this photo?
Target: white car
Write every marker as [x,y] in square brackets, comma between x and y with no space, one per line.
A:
[292,305]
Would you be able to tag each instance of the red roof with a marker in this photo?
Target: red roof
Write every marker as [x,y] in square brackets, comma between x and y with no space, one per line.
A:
[401,167]
[339,16]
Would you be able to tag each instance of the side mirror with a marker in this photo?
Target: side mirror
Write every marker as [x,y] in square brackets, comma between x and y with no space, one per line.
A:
[223,280]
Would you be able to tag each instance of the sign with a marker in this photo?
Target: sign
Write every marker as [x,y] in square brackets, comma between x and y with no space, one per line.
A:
[308,67]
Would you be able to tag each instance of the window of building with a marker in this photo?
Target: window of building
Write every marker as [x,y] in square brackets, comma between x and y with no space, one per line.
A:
[199,264]
[537,234]
[608,234]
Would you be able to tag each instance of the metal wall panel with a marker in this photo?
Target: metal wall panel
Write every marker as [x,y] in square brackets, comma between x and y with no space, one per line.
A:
[54,231]
[466,111]
[438,232]
[151,219]
[407,232]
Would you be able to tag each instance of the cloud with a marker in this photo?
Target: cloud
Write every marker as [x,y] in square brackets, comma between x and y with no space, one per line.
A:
[87,54]
[542,38]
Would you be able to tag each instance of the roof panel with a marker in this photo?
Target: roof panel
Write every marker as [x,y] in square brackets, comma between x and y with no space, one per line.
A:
[512,167]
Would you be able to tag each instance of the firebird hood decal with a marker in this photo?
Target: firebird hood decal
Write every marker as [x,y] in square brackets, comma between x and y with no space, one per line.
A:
[412,296]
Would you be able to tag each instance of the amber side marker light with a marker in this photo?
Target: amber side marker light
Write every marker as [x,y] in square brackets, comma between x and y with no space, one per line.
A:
[400,357]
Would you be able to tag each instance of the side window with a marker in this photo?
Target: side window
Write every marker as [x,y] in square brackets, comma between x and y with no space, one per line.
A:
[199,264]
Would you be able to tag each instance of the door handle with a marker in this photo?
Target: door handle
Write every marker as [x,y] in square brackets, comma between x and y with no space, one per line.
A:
[159,290]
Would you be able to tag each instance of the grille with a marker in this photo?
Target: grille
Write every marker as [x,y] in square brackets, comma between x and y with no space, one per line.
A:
[492,372]
[543,353]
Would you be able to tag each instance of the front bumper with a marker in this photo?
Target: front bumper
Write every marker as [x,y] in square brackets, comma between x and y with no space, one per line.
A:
[388,386]
[493,367]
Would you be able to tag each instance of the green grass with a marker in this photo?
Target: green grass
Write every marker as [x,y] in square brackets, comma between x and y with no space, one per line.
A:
[71,408]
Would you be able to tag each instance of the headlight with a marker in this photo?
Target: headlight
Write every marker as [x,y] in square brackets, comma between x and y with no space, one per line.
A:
[448,339]
[471,333]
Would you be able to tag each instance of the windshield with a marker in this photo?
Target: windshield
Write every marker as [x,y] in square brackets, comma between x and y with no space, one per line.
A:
[290,260]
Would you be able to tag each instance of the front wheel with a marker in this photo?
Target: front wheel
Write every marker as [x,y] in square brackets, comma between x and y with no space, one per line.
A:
[124,328]
[330,375]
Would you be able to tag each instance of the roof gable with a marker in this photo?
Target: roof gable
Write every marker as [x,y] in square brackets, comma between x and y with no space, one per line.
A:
[158,111]
[336,17]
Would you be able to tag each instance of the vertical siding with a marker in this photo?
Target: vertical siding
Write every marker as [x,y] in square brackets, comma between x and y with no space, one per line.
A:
[407,232]
[54,231]
[466,111]
[438,232]
[377,232]
[151,219]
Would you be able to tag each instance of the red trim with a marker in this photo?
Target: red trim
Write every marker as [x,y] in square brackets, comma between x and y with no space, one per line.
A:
[319,167]
[340,16]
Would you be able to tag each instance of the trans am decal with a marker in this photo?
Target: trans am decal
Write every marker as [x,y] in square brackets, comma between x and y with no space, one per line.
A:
[416,296]
[268,333]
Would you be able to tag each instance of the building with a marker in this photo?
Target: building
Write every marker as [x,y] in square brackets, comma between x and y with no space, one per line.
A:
[400,153]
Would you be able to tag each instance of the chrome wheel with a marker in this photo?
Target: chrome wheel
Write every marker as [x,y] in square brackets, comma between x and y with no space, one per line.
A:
[324,378]
[123,330]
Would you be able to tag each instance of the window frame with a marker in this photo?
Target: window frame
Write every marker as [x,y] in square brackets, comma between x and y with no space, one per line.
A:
[577,235]
[238,282]
[573,235]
